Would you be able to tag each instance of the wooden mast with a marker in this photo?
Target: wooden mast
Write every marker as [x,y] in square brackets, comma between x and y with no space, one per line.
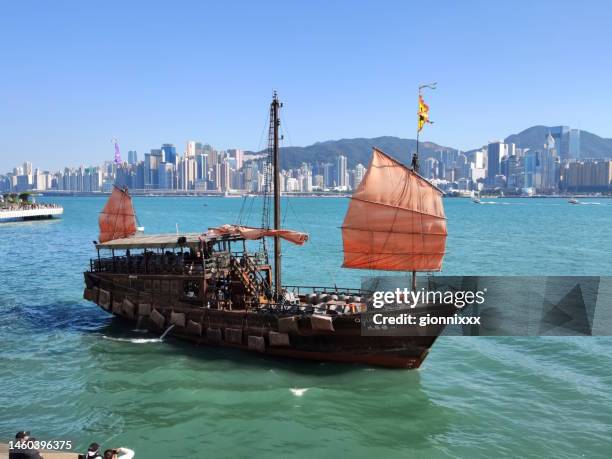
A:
[415,157]
[277,205]
[415,167]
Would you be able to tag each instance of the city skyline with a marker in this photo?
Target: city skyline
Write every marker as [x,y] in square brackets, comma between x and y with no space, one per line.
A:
[555,165]
[80,74]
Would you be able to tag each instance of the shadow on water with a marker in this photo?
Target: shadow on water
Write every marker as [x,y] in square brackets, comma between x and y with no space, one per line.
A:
[66,316]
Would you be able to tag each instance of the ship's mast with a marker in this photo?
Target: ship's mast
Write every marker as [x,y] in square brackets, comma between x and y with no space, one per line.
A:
[277,205]
[415,157]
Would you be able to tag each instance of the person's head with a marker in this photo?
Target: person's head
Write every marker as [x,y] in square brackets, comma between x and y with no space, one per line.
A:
[22,435]
[93,450]
[110,454]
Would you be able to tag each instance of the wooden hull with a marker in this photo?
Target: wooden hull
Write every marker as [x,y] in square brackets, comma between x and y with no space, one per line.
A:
[300,337]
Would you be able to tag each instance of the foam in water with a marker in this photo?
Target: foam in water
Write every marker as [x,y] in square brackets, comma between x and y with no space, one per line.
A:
[298,392]
[133,340]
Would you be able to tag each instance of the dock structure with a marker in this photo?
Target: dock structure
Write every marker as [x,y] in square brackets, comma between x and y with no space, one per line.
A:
[32,213]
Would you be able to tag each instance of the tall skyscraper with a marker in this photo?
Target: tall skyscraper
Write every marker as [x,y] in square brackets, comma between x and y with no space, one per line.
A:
[190,150]
[360,171]
[201,166]
[495,152]
[132,157]
[238,156]
[574,143]
[341,175]
[169,151]
[561,135]
[166,176]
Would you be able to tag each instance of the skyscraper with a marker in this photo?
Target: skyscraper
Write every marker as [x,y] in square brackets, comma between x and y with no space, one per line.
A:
[574,143]
[495,152]
[169,151]
[341,176]
[561,136]
[360,171]
[132,157]
[201,166]
[238,155]
[166,176]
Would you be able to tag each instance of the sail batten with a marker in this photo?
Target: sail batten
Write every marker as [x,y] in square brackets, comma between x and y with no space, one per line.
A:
[395,220]
[117,219]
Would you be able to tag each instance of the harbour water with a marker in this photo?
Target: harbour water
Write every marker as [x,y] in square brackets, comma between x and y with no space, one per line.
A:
[68,371]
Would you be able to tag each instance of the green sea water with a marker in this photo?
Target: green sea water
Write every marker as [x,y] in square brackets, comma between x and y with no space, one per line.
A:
[68,371]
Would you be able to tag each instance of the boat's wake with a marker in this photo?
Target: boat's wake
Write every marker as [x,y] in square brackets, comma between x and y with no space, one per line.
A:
[298,392]
[133,340]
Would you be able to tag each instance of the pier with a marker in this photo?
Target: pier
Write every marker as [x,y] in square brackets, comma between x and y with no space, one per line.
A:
[33,212]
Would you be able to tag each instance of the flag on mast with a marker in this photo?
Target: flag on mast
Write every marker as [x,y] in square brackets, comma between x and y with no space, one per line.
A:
[423,114]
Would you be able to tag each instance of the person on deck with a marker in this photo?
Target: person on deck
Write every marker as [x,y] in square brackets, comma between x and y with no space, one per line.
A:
[93,452]
[24,453]
[119,453]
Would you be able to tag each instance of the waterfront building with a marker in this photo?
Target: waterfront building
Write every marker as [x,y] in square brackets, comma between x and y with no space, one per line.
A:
[238,156]
[429,168]
[341,172]
[495,152]
[169,153]
[166,176]
[360,171]
[132,157]
[561,137]
[588,176]
[574,143]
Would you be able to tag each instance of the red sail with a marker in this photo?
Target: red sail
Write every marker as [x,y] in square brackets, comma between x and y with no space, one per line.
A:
[117,219]
[248,232]
[395,220]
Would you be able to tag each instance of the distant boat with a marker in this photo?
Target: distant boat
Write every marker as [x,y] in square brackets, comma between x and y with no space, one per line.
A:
[475,198]
[573,201]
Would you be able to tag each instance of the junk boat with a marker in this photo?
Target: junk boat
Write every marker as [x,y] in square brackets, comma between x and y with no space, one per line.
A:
[208,288]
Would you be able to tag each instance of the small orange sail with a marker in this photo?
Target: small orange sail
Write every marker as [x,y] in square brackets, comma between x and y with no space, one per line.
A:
[395,220]
[117,219]
[250,233]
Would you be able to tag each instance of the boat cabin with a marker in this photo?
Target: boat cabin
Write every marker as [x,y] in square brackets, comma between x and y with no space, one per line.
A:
[212,271]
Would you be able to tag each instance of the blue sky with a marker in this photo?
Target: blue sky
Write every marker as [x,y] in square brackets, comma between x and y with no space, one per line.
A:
[76,74]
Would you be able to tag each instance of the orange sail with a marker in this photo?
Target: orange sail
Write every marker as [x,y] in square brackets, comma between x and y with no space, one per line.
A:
[250,233]
[395,220]
[117,219]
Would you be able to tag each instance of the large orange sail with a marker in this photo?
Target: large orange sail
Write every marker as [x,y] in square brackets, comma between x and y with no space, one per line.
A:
[117,219]
[395,220]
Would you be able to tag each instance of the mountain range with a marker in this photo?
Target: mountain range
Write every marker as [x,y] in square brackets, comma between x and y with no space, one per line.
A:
[359,150]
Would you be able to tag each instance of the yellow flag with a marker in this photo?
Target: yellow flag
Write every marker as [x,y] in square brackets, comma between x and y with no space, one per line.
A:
[423,114]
